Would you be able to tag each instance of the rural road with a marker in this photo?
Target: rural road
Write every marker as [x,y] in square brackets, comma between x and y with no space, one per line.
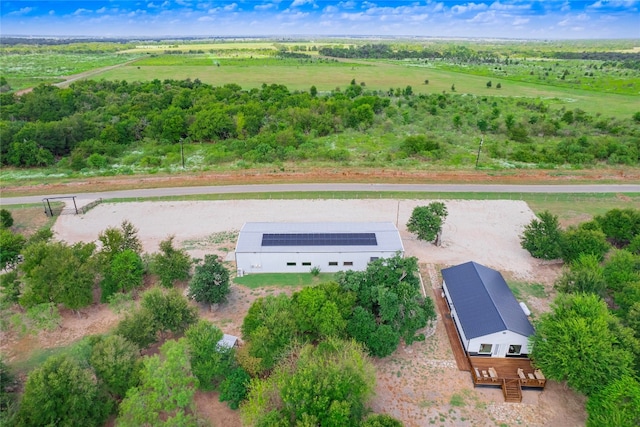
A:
[279,188]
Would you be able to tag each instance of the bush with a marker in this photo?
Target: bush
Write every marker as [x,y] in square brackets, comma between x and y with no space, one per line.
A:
[6,219]
[170,264]
[577,241]
[234,388]
[542,237]
[210,283]
[617,405]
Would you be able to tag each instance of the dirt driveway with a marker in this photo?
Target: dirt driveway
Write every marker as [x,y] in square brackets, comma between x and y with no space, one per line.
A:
[419,384]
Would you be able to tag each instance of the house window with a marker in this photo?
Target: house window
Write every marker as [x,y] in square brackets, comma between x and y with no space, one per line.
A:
[308,263]
[333,262]
[514,349]
[291,264]
[485,349]
[349,263]
[373,258]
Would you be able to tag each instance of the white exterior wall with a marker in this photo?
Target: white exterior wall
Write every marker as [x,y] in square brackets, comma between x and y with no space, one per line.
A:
[500,342]
[276,262]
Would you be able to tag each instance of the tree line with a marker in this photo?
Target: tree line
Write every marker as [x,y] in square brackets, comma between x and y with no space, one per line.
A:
[96,124]
[591,338]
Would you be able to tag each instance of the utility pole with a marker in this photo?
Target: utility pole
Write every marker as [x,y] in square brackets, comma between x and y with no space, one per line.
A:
[479,148]
[182,151]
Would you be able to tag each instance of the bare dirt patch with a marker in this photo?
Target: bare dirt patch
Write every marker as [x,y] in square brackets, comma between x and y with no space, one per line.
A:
[419,384]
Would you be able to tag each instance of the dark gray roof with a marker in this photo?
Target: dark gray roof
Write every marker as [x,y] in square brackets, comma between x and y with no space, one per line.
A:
[483,301]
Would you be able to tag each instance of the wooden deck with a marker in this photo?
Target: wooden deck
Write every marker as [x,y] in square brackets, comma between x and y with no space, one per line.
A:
[509,373]
[454,339]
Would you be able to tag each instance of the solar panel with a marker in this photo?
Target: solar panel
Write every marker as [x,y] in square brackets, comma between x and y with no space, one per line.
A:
[319,239]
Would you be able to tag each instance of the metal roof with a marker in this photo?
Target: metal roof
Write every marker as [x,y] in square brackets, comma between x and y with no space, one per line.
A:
[387,238]
[483,301]
[228,341]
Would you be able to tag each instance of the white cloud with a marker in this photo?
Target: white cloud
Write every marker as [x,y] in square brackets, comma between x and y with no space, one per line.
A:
[347,4]
[52,12]
[231,7]
[101,10]
[264,6]
[21,11]
[484,17]
[330,9]
[520,21]
[500,6]
[206,19]
[566,6]
[297,3]
[81,11]
[459,8]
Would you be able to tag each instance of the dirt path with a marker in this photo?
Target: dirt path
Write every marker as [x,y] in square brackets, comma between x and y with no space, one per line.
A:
[74,77]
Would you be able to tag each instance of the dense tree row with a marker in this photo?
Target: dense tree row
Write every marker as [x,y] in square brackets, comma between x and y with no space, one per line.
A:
[95,124]
[458,53]
[591,338]
[629,60]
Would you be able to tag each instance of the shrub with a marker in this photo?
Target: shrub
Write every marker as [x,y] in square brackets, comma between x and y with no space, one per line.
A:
[541,237]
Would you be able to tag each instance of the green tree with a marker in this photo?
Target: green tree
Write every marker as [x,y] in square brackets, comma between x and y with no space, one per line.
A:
[380,420]
[577,241]
[6,219]
[210,282]
[617,405]
[171,311]
[269,329]
[620,268]
[321,311]
[58,273]
[115,240]
[426,221]
[61,392]
[585,275]
[389,290]
[170,264]
[541,237]
[620,225]
[575,343]
[166,391]
[115,362]
[235,387]
[11,245]
[209,362]
[138,327]
[123,274]
[328,384]
[7,397]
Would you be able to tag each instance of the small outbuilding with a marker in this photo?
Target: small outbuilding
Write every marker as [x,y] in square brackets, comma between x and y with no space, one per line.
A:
[270,247]
[489,319]
[228,341]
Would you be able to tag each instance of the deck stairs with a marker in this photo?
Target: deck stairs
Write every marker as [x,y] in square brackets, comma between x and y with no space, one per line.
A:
[512,391]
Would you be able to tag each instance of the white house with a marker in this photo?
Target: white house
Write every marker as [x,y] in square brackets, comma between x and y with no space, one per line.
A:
[270,247]
[487,316]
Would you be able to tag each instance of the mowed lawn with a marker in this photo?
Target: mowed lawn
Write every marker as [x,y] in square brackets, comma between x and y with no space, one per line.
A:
[376,76]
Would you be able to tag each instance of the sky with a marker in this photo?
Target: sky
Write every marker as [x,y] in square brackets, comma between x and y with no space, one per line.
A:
[546,19]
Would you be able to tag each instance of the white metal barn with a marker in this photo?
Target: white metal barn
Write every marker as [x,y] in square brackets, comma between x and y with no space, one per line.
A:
[270,247]
[489,319]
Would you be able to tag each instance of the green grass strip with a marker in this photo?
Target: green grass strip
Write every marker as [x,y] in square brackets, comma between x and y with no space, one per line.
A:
[282,280]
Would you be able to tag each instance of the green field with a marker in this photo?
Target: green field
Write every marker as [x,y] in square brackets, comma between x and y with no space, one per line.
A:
[376,75]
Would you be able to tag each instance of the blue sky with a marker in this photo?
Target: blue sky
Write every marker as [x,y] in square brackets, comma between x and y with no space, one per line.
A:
[546,19]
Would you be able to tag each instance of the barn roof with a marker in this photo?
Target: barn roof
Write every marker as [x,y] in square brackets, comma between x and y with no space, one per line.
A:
[483,301]
[319,237]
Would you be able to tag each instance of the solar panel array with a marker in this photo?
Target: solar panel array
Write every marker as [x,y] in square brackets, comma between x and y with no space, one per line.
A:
[319,239]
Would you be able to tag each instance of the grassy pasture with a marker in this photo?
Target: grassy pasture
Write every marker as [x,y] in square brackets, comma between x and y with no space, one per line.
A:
[30,69]
[376,75]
